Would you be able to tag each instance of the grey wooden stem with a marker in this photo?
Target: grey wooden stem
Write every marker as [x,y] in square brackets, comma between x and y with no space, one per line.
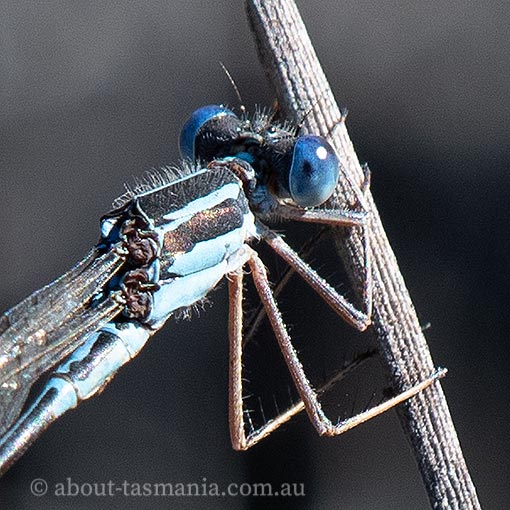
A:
[289,59]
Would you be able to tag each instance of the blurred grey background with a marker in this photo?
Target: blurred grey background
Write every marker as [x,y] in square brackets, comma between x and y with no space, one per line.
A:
[93,93]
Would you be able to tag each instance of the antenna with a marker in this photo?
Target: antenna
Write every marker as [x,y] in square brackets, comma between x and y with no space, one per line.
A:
[234,86]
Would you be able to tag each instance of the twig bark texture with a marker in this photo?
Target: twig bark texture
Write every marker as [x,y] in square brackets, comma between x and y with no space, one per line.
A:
[290,61]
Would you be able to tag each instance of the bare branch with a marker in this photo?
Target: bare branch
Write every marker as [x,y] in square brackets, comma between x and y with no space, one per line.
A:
[290,61]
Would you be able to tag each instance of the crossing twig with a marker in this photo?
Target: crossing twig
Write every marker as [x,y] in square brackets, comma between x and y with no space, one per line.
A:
[287,54]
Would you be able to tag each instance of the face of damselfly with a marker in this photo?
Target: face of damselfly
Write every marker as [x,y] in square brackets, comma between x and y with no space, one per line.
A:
[302,169]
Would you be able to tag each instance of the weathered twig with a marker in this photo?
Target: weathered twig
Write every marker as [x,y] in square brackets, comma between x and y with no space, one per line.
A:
[288,56]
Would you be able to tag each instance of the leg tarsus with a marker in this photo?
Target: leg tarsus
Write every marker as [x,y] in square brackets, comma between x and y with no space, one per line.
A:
[367,173]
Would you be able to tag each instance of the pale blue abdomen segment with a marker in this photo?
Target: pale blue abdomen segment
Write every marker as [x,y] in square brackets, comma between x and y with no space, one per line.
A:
[110,348]
[85,372]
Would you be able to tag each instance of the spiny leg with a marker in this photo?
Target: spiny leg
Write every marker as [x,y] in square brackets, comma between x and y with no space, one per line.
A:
[344,218]
[331,217]
[359,319]
[235,383]
[256,318]
[240,440]
[308,396]
[304,252]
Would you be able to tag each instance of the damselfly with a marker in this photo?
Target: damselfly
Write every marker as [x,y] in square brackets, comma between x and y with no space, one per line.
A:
[165,245]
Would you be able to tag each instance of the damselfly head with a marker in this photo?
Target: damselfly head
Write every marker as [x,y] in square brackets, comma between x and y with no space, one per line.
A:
[302,168]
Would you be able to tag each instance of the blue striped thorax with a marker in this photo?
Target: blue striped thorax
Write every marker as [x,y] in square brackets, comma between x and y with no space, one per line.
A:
[187,230]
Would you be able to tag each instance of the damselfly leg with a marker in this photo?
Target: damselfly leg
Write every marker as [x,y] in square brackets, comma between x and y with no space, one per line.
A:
[309,398]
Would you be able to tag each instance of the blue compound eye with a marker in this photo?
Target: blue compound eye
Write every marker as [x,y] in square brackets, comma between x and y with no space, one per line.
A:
[314,171]
[193,125]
